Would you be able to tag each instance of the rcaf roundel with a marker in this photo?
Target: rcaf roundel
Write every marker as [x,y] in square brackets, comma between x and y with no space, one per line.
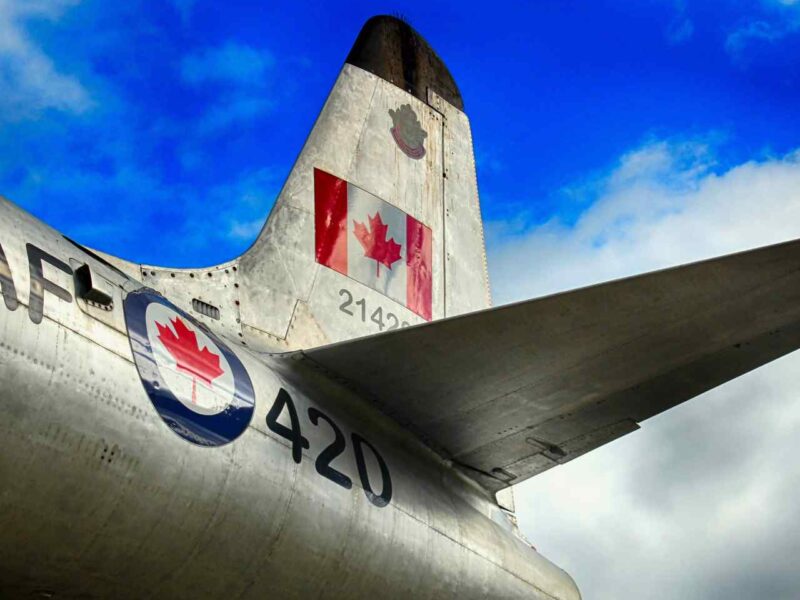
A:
[373,242]
[198,386]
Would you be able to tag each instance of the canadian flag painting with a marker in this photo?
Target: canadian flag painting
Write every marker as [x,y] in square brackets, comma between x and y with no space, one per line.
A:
[373,242]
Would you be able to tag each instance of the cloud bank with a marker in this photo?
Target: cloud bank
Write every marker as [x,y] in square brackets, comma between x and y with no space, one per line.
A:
[702,502]
[663,204]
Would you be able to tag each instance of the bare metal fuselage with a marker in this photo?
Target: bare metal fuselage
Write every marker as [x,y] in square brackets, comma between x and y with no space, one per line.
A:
[100,499]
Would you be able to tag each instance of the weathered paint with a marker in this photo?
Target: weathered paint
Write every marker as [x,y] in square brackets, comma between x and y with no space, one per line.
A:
[321,495]
[101,499]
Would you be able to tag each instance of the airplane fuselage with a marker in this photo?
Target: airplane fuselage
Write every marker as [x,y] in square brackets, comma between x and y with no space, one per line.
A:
[319,495]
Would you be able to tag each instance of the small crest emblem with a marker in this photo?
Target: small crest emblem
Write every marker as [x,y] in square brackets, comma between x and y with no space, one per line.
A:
[407,132]
[197,384]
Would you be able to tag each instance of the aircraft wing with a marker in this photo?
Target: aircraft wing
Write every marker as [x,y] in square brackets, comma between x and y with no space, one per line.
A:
[512,391]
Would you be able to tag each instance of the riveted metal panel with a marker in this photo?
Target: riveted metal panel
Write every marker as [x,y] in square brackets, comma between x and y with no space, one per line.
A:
[217,286]
[467,276]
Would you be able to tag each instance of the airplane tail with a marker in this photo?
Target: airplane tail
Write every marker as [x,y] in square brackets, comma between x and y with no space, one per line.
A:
[378,225]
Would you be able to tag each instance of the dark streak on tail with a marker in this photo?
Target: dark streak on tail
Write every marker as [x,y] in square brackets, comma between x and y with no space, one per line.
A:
[391,49]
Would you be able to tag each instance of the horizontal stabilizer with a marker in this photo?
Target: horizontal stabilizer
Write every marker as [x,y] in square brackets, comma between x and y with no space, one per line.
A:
[512,391]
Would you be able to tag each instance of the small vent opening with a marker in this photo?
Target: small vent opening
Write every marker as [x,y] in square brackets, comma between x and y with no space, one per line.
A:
[204,308]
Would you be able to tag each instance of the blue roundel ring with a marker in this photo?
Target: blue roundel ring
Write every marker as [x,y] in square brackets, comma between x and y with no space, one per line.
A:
[201,429]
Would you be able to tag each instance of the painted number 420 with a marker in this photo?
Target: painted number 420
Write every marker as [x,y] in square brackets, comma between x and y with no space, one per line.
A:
[337,447]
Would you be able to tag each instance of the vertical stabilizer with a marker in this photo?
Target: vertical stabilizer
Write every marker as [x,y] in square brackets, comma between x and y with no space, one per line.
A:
[378,225]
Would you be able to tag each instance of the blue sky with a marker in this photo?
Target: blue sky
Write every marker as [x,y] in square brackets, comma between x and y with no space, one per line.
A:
[162,131]
[611,138]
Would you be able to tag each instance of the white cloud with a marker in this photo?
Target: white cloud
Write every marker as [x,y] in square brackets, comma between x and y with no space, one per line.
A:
[662,205]
[680,30]
[780,20]
[184,8]
[248,230]
[488,161]
[230,63]
[738,41]
[246,203]
[29,79]
[700,503]
[232,109]
[239,74]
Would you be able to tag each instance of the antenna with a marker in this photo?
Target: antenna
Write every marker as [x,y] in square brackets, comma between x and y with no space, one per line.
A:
[401,17]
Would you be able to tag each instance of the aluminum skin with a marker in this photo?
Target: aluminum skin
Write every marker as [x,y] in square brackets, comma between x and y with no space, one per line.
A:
[288,425]
[101,499]
[106,494]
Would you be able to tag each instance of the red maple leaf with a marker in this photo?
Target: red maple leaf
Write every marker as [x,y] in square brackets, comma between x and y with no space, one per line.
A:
[375,244]
[200,364]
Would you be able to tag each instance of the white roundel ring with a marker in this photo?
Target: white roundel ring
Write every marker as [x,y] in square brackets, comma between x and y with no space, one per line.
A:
[197,384]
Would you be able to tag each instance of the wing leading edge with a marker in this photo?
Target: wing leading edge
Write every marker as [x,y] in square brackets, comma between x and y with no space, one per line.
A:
[510,392]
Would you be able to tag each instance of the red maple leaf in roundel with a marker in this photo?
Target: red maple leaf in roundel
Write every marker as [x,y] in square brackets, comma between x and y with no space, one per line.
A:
[182,345]
[375,244]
